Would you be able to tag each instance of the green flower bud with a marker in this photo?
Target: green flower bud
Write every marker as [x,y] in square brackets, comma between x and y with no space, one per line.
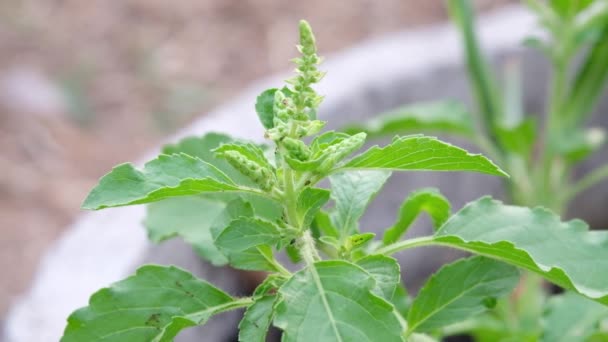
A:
[260,175]
[309,128]
[278,132]
[341,150]
[297,149]
[305,99]
[307,39]
[283,107]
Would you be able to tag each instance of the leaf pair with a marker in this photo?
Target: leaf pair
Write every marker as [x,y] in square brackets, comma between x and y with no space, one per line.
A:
[329,300]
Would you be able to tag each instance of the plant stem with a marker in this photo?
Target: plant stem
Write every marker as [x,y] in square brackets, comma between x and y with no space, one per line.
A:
[276,264]
[236,304]
[556,98]
[587,181]
[280,268]
[405,244]
[460,328]
[308,250]
[290,191]
[290,197]
[550,178]
[241,302]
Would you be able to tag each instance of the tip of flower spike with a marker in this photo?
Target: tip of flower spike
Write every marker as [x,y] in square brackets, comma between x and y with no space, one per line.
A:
[304,26]
[307,38]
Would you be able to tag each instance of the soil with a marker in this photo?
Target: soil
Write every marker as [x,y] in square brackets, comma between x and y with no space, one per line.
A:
[85,85]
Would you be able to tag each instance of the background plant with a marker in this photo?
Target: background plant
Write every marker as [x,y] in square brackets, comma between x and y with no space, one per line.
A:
[241,204]
[541,153]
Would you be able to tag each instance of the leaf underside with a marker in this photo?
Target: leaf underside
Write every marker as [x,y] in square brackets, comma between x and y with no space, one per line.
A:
[190,217]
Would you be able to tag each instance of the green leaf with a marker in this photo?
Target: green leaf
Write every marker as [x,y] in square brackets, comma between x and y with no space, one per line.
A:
[205,147]
[356,241]
[535,239]
[518,138]
[568,8]
[202,148]
[401,299]
[256,321]
[310,201]
[264,107]
[245,242]
[249,259]
[323,226]
[429,200]
[293,253]
[189,217]
[352,192]
[333,301]
[247,232]
[458,291]
[164,177]
[253,259]
[442,116]
[417,152]
[385,270]
[152,305]
[194,217]
[266,208]
[571,318]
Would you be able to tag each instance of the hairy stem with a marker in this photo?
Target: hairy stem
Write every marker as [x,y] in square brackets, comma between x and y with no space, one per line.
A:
[308,250]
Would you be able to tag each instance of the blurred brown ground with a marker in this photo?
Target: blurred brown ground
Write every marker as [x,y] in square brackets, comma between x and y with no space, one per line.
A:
[85,85]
